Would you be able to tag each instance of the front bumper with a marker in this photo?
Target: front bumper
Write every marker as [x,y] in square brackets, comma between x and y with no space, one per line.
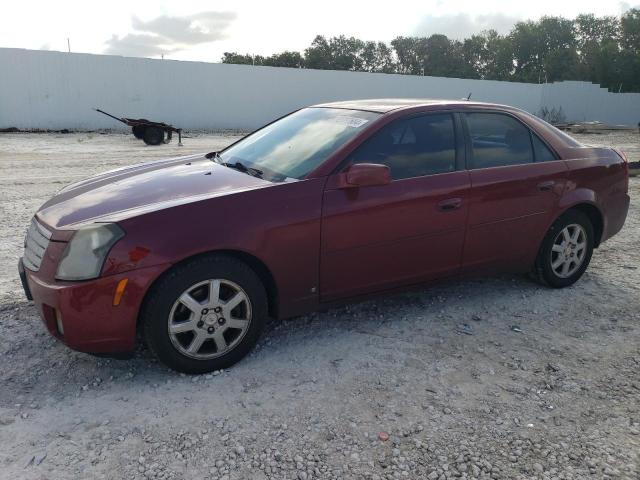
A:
[91,323]
[23,279]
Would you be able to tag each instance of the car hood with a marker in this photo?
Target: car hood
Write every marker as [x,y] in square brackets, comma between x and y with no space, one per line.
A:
[142,188]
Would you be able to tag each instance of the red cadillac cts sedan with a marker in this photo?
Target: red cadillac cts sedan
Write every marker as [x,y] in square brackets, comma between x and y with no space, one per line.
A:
[329,203]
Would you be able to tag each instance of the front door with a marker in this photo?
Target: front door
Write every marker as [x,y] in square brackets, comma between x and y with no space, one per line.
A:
[409,231]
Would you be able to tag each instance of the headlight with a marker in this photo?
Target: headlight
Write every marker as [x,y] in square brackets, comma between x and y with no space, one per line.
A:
[87,250]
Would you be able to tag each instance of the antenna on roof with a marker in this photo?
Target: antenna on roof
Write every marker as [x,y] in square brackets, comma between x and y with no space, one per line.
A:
[469,96]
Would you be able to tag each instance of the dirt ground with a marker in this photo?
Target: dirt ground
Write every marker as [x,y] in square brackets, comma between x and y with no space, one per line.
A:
[558,399]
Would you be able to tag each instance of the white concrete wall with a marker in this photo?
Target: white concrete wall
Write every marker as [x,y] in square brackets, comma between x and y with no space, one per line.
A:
[582,101]
[55,90]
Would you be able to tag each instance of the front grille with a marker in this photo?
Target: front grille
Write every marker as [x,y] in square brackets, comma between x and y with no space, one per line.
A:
[35,244]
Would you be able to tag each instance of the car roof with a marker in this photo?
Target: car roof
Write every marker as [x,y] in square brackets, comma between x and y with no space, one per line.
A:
[384,105]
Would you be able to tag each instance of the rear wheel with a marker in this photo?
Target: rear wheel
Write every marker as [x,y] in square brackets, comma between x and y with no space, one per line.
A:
[138,131]
[566,250]
[205,315]
[153,136]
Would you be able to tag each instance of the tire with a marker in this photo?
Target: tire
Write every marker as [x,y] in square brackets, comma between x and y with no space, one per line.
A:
[183,348]
[138,131]
[153,136]
[558,250]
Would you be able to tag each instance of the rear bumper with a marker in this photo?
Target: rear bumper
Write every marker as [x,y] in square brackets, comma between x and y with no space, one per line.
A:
[90,321]
[616,215]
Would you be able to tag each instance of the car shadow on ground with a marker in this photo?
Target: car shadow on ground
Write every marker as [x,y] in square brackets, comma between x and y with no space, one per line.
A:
[492,304]
[43,361]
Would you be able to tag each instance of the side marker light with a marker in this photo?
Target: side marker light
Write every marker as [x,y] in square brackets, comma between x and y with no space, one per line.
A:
[117,297]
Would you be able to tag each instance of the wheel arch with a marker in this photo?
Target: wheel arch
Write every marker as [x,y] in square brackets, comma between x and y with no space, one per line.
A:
[595,216]
[253,262]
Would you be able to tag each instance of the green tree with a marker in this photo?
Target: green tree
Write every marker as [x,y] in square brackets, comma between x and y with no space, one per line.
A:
[598,46]
[630,30]
[442,57]
[488,55]
[246,59]
[604,50]
[544,50]
[285,59]
[318,55]
[337,53]
[409,55]
[377,57]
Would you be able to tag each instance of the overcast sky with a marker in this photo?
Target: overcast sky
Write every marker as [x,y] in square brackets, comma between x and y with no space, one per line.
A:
[203,29]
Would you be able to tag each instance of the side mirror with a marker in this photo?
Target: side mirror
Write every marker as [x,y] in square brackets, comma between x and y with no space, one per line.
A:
[365,175]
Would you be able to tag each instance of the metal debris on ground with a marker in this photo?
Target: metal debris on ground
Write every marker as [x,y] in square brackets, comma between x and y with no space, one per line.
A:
[516,328]
[464,328]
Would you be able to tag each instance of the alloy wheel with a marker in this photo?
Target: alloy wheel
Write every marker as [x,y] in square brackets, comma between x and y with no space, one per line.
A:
[569,250]
[209,319]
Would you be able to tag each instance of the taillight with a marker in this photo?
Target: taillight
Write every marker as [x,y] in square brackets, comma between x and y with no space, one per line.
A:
[625,162]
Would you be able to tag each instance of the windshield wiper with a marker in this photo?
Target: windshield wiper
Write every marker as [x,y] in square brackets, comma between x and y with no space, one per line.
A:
[243,168]
[215,157]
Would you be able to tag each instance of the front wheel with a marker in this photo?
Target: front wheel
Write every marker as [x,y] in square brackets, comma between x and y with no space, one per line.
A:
[566,250]
[205,315]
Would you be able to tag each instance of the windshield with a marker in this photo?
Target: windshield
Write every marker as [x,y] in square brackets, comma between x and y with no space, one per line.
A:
[295,145]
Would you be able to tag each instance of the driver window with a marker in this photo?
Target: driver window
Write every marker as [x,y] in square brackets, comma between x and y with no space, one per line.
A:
[412,147]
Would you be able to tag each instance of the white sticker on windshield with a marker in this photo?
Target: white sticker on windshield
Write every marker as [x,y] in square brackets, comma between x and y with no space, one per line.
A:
[353,122]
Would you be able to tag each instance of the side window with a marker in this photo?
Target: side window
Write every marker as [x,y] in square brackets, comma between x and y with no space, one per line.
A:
[498,140]
[543,154]
[412,147]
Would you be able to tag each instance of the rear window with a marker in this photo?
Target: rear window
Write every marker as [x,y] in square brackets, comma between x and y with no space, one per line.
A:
[498,140]
[543,153]
[559,134]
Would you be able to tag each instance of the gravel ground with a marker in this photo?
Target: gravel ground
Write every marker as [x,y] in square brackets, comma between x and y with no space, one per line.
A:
[384,389]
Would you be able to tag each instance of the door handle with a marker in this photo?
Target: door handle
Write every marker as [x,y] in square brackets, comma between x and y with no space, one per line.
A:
[546,186]
[449,204]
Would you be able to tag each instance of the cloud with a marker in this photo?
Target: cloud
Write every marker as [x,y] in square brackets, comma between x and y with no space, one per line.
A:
[165,34]
[199,28]
[624,7]
[138,45]
[463,25]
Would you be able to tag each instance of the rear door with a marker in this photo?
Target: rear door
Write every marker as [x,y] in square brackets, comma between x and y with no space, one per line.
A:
[516,182]
[411,230]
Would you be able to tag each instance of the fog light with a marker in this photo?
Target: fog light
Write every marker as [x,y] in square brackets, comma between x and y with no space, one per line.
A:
[59,322]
